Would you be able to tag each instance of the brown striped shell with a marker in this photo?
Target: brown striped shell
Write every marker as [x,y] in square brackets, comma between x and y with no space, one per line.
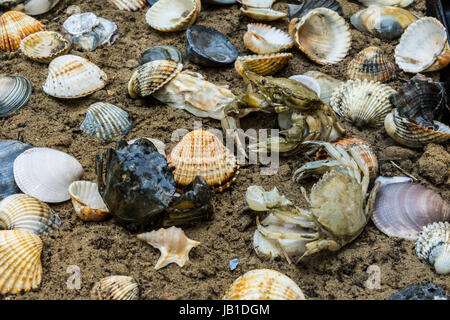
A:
[264,65]
[115,288]
[372,64]
[201,153]
[15,26]
[44,46]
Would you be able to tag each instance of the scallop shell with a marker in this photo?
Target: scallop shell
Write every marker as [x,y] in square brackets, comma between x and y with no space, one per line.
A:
[402,209]
[173,244]
[372,64]
[15,91]
[20,253]
[201,153]
[423,47]
[181,15]
[395,3]
[322,35]
[433,246]
[115,288]
[14,26]
[72,77]
[152,76]
[44,46]
[362,102]
[257,3]
[327,84]
[129,5]
[22,212]
[262,39]
[264,284]
[299,10]
[87,201]
[46,174]
[263,14]
[265,65]
[36,7]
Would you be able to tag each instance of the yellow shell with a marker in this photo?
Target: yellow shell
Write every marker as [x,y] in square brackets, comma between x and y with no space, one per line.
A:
[263,39]
[115,288]
[265,65]
[44,46]
[14,26]
[173,15]
[87,202]
[129,5]
[200,153]
[372,64]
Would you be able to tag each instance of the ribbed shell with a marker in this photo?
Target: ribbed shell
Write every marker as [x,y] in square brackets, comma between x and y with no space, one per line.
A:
[263,14]
[362,102]
[265,65]
[372,64]
[264,284]
[257,3]
[433,246]
[200,153]
[263,39]
[20,253]
[299,10]
[87,201]
[44,46]
[402,209]
[396,3]
[181,15]
[115,288]
[14,26]
[15,91]
[72,77]
[327,84]
[152,76]
[129,5]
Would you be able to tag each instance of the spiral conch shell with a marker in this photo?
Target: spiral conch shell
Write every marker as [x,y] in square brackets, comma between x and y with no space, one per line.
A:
[115,288]
[173,244]
[263,39]
[87,201]
[433,246]
[15,26]
[173,15]
[372,64]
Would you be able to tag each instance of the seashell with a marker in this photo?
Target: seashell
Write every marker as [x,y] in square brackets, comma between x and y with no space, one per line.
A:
[220,2]
[299,10]
[327,84]
[395,3]
[402,209]
[20,253]
[322,35]
[14,26]
[9,151]
[36,7]
[201,153]
[386,23]
[87,202]
[263,39]
[162,53]
[129,5]
[15,91]
[44,46]
[423,47]
[208,47]
[265,65]
[362,102]
[115,288]
[433,246]
[257,3]
[264,284]
[173,244]
[46,174]
[383,181]
[181,15]
[152,76]
[72,77]
[311,83]
[22,212]
[371,64]
[106,121]
[263,14]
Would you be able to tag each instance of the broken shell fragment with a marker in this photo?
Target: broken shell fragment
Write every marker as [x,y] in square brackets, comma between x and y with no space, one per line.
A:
[115,288]
[181,15]
[264,65]
[15,92]
[264,39]
[263,14]
[44,46]
[162,53]
[129,5]
[87,202]
[433,246]
[299,10]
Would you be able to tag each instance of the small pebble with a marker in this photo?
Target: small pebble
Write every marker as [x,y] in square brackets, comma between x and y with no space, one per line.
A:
[233,264]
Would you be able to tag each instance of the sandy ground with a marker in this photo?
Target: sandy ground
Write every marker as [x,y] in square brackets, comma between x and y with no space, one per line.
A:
[103,249]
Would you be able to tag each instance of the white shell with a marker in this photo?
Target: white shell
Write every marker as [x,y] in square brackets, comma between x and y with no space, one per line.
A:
[311,83]
[46,174]
[263,14]
[394,3]
[87,202]
[433,246]
[327,84]
[180,16]
[264,39]
[257,3]
[36,7]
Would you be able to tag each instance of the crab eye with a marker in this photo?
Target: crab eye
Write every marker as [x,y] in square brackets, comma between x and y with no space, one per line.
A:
[288,92]
[263,81]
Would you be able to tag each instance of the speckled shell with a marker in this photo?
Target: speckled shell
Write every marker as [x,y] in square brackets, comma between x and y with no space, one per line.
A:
[265,65]
[264,284]
[263,39]
[322,35]
[15,91]
[72,77]
[87,202]
[152,76]
[433,246]
[402,209]
[20,253]
[129,5]
[44,46]
[362,102]
[115,288]
[263,14]
[395,3]
[201,153]
[181,15]
[14,26]
[46,174]
[372,64]
[327,84]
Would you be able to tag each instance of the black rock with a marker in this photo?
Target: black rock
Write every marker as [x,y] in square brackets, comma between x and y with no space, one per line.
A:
[416,292]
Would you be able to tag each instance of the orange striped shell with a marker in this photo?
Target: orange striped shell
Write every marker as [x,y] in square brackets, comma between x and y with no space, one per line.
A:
[202,153]
[15,26]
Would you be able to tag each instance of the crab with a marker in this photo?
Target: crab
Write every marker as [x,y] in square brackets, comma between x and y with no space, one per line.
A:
[340,206]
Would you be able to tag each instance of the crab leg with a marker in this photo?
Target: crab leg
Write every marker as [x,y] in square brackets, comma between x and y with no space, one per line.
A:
[315,167]
[277,235]
[319,245]
[327,124]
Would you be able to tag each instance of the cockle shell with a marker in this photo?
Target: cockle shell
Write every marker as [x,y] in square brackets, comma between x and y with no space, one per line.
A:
[87,201]
[372,64]
[181,15]
[129,5]
[263,14]
[264,284]
[35,7]
[173,244]
[201,153]
[46,174]
[15,91]
[263,39]
[20,253]
[72,77]
[14,26]
[265,65]
[395,3]
[322,35]
[299,10]
[115,288]
[362,102]
[402,209]
[433,246]
[327,84]
[44,46]
[257,3]
[423,47]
